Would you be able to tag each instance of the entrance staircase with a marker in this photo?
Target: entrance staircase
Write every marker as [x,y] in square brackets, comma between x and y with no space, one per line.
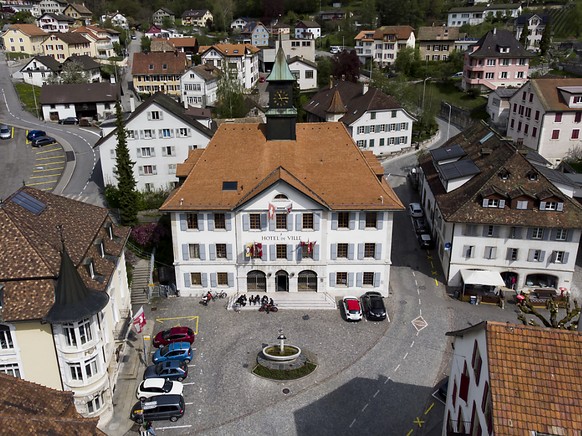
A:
[292,301]
[140,282]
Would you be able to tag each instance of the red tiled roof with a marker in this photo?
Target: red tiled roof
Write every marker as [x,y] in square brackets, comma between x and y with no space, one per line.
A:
[153,63]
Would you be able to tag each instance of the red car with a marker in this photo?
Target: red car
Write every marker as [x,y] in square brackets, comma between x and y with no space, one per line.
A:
[175,334]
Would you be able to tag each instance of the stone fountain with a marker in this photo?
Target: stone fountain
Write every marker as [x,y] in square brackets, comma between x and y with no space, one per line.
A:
[281,352]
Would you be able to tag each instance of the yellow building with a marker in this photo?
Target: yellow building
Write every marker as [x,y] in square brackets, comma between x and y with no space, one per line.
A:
[24,38]
[63,45]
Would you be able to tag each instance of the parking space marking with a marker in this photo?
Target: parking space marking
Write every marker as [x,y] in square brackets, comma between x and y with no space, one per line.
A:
[46,176]
[353,422]
[397,366]
[365,406]
[435,395]
[188,384]
[405,356]
[174,426]
[429,408]
[409,432]
[412,344]
[418,422]
[377,392]
[194,318]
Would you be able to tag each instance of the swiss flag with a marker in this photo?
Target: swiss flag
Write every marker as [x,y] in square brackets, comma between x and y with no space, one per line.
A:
[139,320]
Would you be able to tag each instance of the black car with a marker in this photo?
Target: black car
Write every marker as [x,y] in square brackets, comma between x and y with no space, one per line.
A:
[425,241]
[419,225]
[42,140]
[373,306]
[69,120]
[33,134]
[170,369]
[157,408]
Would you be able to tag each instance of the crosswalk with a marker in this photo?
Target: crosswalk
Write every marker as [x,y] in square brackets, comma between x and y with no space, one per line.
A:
[95,199]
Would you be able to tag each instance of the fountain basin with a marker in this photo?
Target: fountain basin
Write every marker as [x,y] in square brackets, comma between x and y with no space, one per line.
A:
[273,352]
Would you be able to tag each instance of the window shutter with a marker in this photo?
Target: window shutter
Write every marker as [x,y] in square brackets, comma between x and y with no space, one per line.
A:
[263,221]
[112,153]
[501,204]
[161,115]
[332,280]
[230,280]
[204,280]
[154,170]
[211,222]
[517,234]
[352,224]
[565,258]
[246,222]
[185,252]
[264,253]
[569,235]
[350,280]
[173,150]
[529,233]
[542,256]
[360,251]
[359,279]
[378,251]
[200,221]
[299,222]
[149,116]
[380,220]
[138,152]
[316,219]
[187,282]
[376,279]
[140,170]
[202,252]
[530,255]
[485,230]
[227,221]
[152,152]
[485,202]
[183,223]
[495,231]
[213,282]
[362,220]
[164,151]
[542,205]
[290,222]
[272,252]
[334,221]
[333,251]
[316,252]
[560,207]
[228,251]
[299,250]
[508,255]
[160,133]
[546,234]
[351,251]
[466,250]
[272,223]
[289,252]
[141,135]
[212,249]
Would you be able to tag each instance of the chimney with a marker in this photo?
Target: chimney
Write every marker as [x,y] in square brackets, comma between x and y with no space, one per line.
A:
[365,88]
[131,104]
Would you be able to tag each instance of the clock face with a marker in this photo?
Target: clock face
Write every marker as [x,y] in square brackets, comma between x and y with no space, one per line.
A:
[280,98]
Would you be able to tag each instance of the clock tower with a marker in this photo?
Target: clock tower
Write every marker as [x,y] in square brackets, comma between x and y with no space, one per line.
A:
[281,115]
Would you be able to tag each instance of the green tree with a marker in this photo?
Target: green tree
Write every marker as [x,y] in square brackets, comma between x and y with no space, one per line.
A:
[367,13]
[222,12]
[230,95]
[127,194]
[524,35]
[71,72]
[405,61]
[324,69]
[568,322]
[168,23]
[346,65]
[22,17]
[146,44]
[546,40]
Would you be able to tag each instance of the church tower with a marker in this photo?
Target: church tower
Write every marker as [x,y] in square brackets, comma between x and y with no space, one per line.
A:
[281,115]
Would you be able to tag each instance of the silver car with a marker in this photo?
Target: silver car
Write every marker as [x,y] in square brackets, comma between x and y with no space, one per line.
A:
[5,132]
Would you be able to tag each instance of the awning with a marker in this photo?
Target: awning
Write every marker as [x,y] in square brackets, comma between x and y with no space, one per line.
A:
[481,277]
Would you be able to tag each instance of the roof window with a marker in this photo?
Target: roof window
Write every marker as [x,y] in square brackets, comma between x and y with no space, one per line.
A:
[229,186]
[532,175]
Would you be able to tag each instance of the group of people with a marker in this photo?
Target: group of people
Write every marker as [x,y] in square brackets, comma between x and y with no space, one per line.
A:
[254,300]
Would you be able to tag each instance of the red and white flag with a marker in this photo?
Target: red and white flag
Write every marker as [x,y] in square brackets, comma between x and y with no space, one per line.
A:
[139,320]
[271,211]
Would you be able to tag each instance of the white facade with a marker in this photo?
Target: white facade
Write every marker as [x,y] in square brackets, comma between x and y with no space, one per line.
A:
[536,27]
[198,91]
[302,248]
[117,20]
[35,73]
[307,32]
[55,112]
[50,23]
[52,6]
[158,140]
[304,48]
[239,24]
[382,45]
[305,73]
[475,15]
[245,63]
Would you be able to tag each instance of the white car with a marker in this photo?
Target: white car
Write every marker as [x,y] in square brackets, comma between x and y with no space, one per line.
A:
[158,386]
[352,308]
[5,132]
[415,210]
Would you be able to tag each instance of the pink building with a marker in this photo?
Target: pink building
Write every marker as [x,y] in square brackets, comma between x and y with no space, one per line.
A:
[497,59]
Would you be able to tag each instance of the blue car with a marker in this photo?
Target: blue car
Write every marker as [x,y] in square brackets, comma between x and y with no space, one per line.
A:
[170,369]
[33,134]
[180,351]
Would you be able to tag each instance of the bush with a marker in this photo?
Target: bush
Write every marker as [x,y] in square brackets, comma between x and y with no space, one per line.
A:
[148,200]
[148,235]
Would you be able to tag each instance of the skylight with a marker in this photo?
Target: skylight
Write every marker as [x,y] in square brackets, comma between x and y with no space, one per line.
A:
[486,137]
[28,202]
[229,186]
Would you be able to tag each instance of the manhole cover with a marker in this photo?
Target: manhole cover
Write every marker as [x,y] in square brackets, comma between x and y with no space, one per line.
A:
[305,317]
[402,301]
[70,155]
[286,391]
[245,365]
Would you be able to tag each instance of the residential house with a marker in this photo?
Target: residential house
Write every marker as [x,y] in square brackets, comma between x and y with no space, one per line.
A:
[305,72]
[52,6]
[187,44]
[199,86]
[305,29]
[158,71]
[62,45]
[161,14]
[45,410]
[80,13]
[159,137]
[514,379]
[333,15]
[50,22]
[102,40]
[546,116]
[436,43]
[279,28]
[81,100]
[497,59]
[66,303]
[255,33]
[474,15]
[24,38]
[242,59]
[382,45]
[375,121]
[498,107]
[536,24]
[197,17]
[39,69]
[301,48]
[239,24]
[158,32]
[116,19]
[89,66]
[292,208]
[493,208]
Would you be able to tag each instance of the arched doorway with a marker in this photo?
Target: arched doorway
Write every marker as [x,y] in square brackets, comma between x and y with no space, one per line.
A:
[307,281]
[510,279]
[256,281]
[282,281]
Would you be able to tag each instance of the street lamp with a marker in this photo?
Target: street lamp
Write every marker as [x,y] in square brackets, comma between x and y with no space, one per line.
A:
[424,91]
[449,124]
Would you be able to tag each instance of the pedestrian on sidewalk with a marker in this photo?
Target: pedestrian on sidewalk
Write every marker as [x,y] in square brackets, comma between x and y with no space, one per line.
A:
[149,428]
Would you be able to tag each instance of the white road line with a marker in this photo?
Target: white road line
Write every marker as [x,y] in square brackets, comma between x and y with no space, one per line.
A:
[415,283]
[174,426]
[396,369]
[419,301]
[377,392]
[405,356]
[387,380]
[90,131]
[364,408]
[413,275]
[353,422]
[188,384]
[411,345]
[420,311]
[418,291]
[189,404]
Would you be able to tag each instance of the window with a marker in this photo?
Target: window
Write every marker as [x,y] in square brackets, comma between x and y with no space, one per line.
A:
[10,369]
[575,133]
[85,334]
[341,279]
[537,233]
[194,251]
[307,221]
[221,251]
[371,218]
[503,75]
[369,249]
[372,115]
[91,367]
[469,251]
[555,134]
[219,221]
[184,132]
[343,220]
[149,170]
[309,74]
[490,252]
[490,230]
[558,117]
[76,372]
[371,143]
[491,202]
[536,256]
[281,251]
[306,251]
[491,62]
[192,221]
[196,279]
[489,75]
[476,362]
[561,234]
[342,250]
[95,404]
[361,129]
[155,115]
[537,116]
[578,117]
[255,221]
[148,134]
[222,279]
[281,221]
[519,75]
[168,150]
[6,342]
[534,132]
[146,151]
[559,256]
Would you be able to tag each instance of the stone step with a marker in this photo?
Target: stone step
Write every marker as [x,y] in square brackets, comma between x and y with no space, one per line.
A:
[292,302]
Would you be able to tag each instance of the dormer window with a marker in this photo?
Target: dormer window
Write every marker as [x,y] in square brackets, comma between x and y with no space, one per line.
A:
[90,267]
[503,49]
[552,205]
[493,202]
[504,174]
[532,176]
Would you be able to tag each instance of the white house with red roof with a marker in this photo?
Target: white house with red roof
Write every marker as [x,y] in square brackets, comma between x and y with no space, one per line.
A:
[242,59]
[382,45]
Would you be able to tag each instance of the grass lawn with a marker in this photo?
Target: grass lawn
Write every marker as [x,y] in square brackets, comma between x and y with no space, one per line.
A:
[284,375]
[25,93]
[447,91]
[14,56]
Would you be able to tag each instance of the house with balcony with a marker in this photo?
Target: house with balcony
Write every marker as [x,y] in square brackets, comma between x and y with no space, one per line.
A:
[475,15]
[52,6]
[197,17]
[436,43]
[51,22]
[39,69]
[199,86]
[292,208]
[158,71]
[95,101]
[306,29]
[497,59]
[159,137]
[62,45]
[254,33]
[546,116]
[66,300]
[24,38]
[375,121]
[241,59]
[382,45]
[116,19]
[161,14]
[499,382]
[536,24]
[497,216]
[102,40]
[82,15]
[239,23]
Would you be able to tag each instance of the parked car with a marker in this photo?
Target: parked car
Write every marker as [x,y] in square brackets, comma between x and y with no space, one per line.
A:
[419,225]
[42,140]
[352,308]
[262,79]
[425,240]
[33,134]
[175,334]
[5,132]
[373,305]
[442,389]
[69,120]
[175,351]
[158,408]
[335,49]
[415,211]
[158,386]
[458,74]
[170,369]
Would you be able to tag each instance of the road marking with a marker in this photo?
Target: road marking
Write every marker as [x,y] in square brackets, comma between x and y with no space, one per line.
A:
[436,282]
[188,404]
[46,176]
[412,344]
[364,408]
[174,426]
[418,291]
[353,422]
[88,131]
[47,170]
[420,311]
[377,392]
[419,323]
[405,356]
[429,409]
[415,283]
[396,369]
[419,301]
[409,432]
[188,384]
[190,318]
[418,422]
[387,380]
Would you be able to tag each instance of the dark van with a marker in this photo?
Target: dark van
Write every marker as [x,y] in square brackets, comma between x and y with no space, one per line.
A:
[157,408]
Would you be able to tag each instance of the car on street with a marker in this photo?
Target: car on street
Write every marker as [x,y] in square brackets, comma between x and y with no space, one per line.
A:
[33,134]
[373,306]
[180,351]
[5,132]
[158,386]
[415,210]
[352,308]
[425,241]
[262,79]
[175,334]
[157,408]
[42,140]
[458,74]
[170,369]
[69,120]
[419,225]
